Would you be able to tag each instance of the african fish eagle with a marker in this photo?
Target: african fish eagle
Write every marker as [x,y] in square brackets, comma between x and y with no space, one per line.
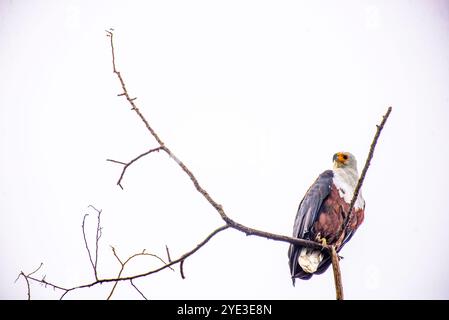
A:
[321,215]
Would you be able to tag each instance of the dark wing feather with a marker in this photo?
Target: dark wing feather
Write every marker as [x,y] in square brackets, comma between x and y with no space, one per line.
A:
[307,214]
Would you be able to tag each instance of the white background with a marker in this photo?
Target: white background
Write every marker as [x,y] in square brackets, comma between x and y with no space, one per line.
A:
[255,97]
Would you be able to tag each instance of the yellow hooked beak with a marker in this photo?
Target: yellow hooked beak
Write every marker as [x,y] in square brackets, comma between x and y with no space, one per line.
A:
[340,159]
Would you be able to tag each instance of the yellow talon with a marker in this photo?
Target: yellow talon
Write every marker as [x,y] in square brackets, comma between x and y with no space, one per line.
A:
[323,241]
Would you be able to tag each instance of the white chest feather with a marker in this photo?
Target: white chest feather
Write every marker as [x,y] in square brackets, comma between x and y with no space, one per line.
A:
[346,180]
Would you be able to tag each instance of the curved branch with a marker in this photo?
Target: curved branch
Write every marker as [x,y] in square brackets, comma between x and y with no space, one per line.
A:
[26,277]
[93,261]
[123,264]
[126,165]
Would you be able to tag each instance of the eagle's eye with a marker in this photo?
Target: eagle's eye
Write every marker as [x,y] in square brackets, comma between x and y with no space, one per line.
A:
[345,157]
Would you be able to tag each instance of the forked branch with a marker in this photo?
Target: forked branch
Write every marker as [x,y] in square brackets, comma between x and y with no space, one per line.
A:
[123,264]
[30,276]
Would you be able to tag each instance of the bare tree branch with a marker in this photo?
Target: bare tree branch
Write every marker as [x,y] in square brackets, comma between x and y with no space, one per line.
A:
[26,276]
[333,252]
[362,176]
[115,161]
[135,287]
[97,237]
[126,165]
[129,278]
[123,264]
[93,260]
[367,164]
[168,253]
[43,281]
[337,273]
[181,269]
[110,34]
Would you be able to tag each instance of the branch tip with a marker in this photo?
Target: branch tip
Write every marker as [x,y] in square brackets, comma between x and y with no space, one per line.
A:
[181,269]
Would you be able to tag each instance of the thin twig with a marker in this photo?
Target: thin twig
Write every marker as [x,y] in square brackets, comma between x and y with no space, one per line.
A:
[44,282]
[367,162]
[135,287]
[97,237]
[37,269]
[93,261]
[168,253]
[181,269]
[28,285]
[126,165]
[26,276]
[110,34]
[115,161]
[123,264]
[87,246]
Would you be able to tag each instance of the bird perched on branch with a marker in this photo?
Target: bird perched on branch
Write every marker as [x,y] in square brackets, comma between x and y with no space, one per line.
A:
[322,217]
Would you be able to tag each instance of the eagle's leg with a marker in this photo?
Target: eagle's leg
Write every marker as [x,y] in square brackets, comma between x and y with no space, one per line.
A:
[323,241]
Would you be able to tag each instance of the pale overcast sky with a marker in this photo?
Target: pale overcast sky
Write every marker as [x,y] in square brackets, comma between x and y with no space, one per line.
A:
[255,97]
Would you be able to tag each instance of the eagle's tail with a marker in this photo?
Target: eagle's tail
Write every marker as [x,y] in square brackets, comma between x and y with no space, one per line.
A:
[310,259]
